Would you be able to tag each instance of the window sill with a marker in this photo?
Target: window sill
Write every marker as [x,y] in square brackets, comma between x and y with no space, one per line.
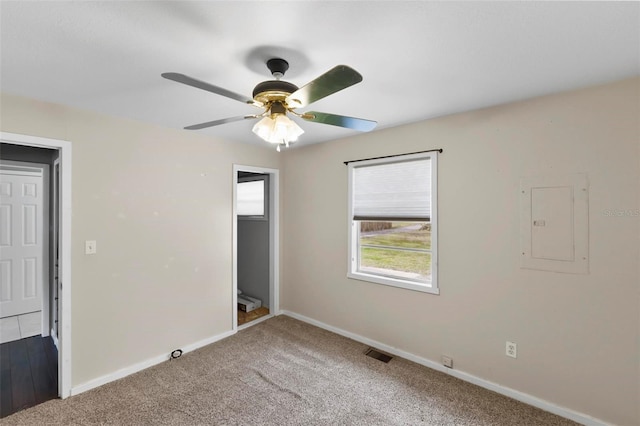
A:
[409,285]
[254,218]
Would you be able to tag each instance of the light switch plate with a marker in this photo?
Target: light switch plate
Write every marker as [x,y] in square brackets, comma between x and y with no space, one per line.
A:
[90,247]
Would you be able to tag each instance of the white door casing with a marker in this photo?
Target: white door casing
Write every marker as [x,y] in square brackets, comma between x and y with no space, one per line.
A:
[23,238]
[64,265]
[55,247]
[274,240]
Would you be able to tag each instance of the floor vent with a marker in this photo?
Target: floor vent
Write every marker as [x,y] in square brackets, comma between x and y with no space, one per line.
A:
[378,355]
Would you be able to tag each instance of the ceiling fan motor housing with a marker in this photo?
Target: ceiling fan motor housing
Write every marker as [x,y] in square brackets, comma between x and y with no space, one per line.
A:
[273,90]
[277,90]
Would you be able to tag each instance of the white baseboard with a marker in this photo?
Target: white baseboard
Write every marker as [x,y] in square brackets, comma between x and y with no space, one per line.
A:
[124,372]
[503,390]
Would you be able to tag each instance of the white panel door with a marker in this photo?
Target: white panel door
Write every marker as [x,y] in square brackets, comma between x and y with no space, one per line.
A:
[21,240]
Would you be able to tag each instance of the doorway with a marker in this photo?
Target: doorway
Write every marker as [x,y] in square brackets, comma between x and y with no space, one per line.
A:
[48,353]
[255,245]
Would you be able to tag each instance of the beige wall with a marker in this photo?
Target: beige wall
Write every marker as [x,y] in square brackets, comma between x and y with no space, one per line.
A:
[577,335]
[158,202]
[162,275]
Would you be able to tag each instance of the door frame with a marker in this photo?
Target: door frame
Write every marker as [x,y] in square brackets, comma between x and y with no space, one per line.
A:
[55,245]
[46,226]
[274,239]
[64,271]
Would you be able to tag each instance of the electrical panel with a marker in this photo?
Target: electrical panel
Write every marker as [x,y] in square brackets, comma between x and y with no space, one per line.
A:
[554,223]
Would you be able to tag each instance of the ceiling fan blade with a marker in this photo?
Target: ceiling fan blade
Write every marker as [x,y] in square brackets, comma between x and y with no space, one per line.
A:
[199,84]
[359,124]
[332,81]
[218,122]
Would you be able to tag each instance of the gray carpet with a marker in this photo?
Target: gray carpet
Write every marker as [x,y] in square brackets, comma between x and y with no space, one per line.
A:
[286,372]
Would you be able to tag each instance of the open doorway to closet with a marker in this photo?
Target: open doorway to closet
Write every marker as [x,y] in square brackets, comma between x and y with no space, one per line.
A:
[255,245]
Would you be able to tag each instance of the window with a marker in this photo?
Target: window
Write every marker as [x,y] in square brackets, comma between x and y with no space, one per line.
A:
[251,200]
[393,221]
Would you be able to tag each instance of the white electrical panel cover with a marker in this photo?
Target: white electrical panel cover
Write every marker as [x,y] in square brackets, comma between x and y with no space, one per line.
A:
[554,223]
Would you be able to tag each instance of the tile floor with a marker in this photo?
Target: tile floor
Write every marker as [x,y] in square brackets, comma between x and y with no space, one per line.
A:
[20,326]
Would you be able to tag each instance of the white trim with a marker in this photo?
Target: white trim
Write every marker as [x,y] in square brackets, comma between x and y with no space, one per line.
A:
[127,371]
[434,224]
[503,390]
[55,227]
[64,271]
[274,238]
[393,282]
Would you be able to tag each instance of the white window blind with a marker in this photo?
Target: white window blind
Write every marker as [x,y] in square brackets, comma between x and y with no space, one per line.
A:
[251,198]
[393,191]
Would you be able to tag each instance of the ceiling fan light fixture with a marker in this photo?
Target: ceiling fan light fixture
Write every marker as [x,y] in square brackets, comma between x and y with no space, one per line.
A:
[277,129]
[278,97]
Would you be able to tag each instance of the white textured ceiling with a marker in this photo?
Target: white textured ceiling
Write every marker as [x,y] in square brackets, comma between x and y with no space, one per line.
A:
[419,59]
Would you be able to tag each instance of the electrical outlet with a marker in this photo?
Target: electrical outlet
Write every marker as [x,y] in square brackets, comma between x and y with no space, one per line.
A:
[447,361]
[512,350]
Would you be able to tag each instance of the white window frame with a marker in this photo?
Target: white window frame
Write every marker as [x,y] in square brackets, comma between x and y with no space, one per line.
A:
[265,179]
[353,228]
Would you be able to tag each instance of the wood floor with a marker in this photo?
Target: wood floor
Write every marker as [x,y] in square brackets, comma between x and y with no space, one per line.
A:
[28,373]
[245,317]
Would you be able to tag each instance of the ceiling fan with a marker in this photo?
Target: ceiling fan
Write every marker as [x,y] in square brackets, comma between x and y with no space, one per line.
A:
[278,97]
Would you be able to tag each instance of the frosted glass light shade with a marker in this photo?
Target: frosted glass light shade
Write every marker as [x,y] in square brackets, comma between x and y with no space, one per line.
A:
[280,130]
